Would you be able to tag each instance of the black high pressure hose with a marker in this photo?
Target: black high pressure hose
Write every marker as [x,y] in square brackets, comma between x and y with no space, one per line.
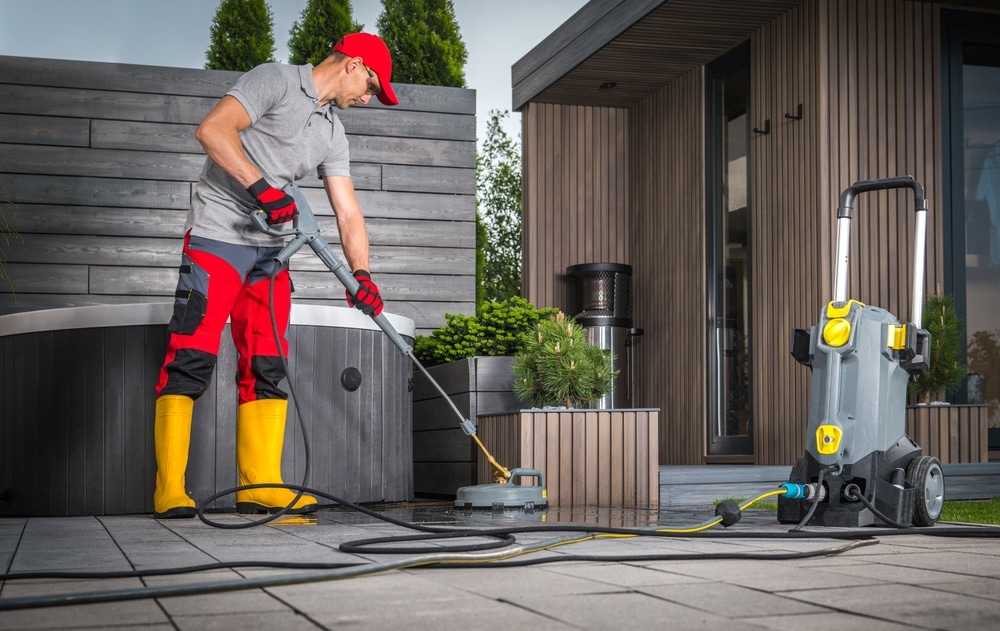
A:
[300,489]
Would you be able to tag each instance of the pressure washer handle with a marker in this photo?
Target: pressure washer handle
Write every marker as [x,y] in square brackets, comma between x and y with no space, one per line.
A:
[844,214]
[867,186]
[305,231]
[528,473]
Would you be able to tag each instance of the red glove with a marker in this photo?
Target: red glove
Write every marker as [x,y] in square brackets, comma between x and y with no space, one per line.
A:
[367,299]
[279,206]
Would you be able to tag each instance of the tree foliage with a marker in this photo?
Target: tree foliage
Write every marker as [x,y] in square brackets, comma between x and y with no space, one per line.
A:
[481,245]
[323,22]
[424,40]
[242,36]
[500,328]
[498,204]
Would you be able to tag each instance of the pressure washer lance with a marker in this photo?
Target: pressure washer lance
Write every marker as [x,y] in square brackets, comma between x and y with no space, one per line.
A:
[305,231]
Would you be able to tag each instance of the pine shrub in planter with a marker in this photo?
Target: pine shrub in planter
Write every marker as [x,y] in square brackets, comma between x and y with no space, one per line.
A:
[946,371]
[499,329]
[559,367]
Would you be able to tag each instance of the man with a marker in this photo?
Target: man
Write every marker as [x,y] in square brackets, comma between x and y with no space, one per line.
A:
[275,126]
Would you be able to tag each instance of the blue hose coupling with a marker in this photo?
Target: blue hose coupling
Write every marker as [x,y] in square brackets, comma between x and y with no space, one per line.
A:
[802,491]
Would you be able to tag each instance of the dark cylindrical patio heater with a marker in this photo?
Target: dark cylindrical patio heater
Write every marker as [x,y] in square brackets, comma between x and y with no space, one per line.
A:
[599,297]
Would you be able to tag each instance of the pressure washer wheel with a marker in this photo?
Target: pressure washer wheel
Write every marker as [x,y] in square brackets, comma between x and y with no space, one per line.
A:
[925,475]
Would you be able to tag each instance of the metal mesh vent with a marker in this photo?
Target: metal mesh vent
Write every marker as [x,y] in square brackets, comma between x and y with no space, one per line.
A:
[600,294]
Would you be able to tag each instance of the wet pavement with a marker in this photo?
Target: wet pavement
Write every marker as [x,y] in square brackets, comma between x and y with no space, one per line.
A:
[595,568]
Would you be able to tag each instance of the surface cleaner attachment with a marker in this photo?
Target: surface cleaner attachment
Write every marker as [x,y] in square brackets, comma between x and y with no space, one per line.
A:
[505,495]
[860,468]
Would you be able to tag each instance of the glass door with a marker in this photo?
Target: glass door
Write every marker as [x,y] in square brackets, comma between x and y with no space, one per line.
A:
[727,148]
[972,238]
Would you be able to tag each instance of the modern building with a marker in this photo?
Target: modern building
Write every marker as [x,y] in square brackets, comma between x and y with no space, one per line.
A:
[705,143]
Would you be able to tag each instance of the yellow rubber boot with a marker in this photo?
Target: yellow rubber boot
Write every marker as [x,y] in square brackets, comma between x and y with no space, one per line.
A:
[172,433]
[260,435]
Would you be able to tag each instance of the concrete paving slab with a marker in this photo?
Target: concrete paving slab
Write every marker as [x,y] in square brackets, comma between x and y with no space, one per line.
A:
[766,576]
[627,610]
[118,615]
[731,601]
[622,575]
[982,587]
[959,563]
[244,602]
[828,621]
[245,621]
[918,607]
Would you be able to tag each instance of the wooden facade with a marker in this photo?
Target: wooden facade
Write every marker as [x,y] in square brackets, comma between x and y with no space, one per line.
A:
[867,74]
[100,160]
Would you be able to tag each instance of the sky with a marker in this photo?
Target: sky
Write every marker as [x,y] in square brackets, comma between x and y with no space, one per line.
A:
[175,33]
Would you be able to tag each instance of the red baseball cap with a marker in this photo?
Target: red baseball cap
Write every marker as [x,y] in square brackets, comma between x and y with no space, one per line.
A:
[375,53]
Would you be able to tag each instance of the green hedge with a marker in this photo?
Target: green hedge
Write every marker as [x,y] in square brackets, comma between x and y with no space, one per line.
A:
[500,328]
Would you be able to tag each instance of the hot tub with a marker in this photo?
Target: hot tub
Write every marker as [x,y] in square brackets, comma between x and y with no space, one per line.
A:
[77,404]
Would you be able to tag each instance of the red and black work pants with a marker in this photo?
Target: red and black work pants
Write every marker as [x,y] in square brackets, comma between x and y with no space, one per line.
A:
[218,282]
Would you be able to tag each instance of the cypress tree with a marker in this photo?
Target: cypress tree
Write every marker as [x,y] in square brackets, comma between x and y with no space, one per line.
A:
[423,37]
[241,36]
[323,23]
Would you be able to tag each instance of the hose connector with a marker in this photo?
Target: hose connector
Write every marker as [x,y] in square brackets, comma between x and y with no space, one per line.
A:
[795,491]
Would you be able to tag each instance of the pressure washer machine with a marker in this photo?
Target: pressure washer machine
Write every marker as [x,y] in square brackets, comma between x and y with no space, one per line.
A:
[860,468]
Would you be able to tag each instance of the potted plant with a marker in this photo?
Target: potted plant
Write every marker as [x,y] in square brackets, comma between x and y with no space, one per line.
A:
[946,371]
[590,457]
[559,367]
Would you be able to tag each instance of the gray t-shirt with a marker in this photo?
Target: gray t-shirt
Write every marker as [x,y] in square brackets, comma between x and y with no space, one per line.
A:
[290,136]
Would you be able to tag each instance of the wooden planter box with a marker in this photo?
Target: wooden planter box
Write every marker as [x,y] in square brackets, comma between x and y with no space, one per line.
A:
[444,457]
[950,433]
[605,458]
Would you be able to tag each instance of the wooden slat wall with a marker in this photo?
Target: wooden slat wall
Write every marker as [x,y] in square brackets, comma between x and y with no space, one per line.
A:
[575,194]
[669,258]
[881,86]
[867,74]
[791,223]
[952,434]
[100,160]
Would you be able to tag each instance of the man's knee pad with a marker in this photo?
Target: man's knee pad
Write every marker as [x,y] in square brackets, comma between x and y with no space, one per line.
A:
[267,374]
[188,372]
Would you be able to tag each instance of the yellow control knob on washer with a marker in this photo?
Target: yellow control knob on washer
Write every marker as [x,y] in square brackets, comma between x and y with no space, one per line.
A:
[837,332]
[828,439]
